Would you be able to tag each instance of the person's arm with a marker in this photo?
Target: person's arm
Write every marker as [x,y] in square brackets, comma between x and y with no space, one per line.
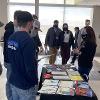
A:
[38,40]
[29,55]
[72,40]
[39,43]
[60,38]
[47,37]
[1,24]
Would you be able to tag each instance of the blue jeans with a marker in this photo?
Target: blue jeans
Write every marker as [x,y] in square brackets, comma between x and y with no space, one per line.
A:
[19,94]
[8,85]
[84,72]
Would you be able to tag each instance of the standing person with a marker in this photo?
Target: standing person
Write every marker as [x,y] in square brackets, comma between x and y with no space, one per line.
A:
[87,22]
[52,40]
[35,35]
[87,51]
[77,32]
[22,57]
[67,40]
[10,28]
[1,24]
[36,23]
[16,13]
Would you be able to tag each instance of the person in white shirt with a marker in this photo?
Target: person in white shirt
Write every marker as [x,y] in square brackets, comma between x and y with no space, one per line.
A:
[67,40]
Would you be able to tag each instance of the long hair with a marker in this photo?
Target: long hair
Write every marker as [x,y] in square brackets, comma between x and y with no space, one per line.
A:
[91,34]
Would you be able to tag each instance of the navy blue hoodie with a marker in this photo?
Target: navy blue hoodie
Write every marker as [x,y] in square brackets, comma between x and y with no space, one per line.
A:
[22,57]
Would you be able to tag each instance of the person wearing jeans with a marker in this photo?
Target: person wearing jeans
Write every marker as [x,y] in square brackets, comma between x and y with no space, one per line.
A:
[22,57]
[10,28]
[20,94]
[86,52]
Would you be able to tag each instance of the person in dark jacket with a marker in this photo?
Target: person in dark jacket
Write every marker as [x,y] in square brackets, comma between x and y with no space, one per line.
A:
[10,28]
[22,57]
[66,41]
[87,51]
[77,32]
[1,24]
[35,36]
[38,44]
[53,41]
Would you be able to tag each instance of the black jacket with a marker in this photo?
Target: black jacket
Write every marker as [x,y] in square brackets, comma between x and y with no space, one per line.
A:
[71,39]
[87,54]
[9,30]
[37,42]
[53,37]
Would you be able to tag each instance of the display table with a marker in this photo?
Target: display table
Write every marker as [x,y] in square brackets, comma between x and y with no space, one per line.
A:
[46,96]
[64,97]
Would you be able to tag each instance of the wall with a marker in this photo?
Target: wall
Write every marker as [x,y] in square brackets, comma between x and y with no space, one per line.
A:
[89,2]
[3,15]
[96,26]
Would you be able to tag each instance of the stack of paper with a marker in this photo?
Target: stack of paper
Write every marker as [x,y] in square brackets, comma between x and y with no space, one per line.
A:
[48,89]
[66,88]
[61,73]
[65,91]
[61,77]
[50,82]
[73,73]
[76,77]
[66,84]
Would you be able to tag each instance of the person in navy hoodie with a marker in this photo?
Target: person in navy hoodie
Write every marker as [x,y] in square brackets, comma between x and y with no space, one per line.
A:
[22,57]
[10,28]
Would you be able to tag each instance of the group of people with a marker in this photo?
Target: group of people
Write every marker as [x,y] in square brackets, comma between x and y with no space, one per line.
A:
[83,46]
[56,38]
[22,45]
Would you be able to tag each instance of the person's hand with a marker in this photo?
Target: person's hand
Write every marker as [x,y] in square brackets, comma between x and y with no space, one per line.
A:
[45,46]
[41,49]
[76,51]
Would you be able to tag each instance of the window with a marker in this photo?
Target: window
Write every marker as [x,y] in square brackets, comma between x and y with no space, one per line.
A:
[52,1]
[46,17]
[69,1]
[22,1]
[76,16]
[13,8]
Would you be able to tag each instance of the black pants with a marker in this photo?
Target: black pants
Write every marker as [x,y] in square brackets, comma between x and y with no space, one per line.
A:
[65,53]
[74,58]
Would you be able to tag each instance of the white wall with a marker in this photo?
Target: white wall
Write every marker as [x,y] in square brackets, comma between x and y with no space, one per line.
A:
[89,2]
[3,15]
[96,26]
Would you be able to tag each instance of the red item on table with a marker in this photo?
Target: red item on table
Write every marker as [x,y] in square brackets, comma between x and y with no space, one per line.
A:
[47,76]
